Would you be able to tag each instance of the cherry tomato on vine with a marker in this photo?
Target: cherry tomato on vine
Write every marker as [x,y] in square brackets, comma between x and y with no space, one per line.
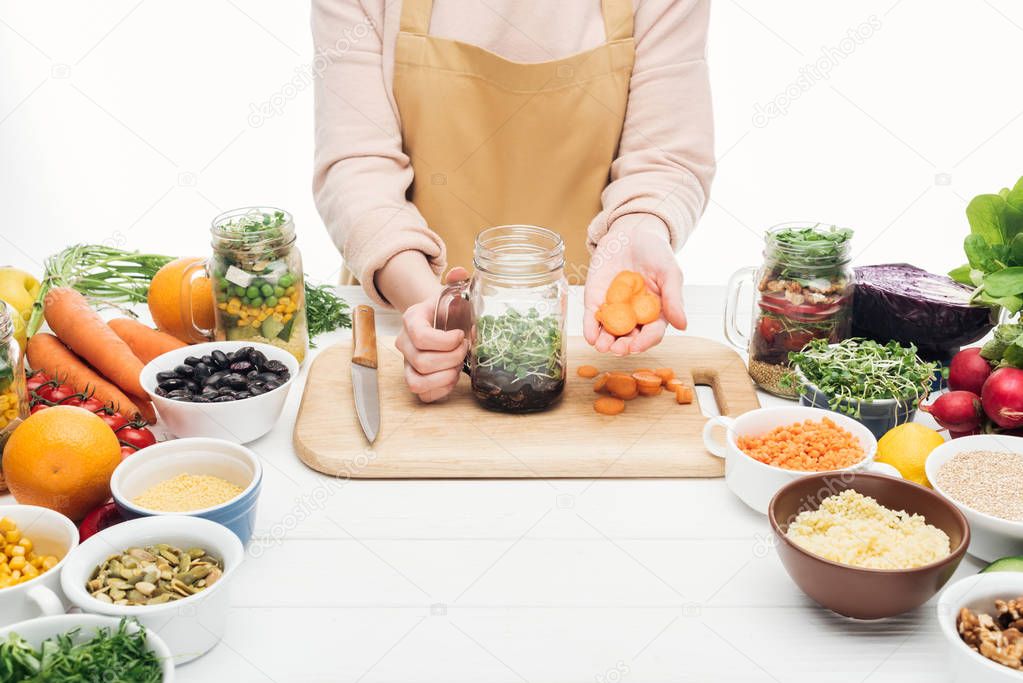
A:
[127,450]
[114,420]
[135,434]
[93,405]
[63,394]
[37,407]
[36,380]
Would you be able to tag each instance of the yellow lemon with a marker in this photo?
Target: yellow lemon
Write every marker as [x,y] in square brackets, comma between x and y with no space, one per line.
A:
[906,448]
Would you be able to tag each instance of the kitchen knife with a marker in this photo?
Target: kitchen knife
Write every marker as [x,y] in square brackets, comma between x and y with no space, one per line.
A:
[364,371]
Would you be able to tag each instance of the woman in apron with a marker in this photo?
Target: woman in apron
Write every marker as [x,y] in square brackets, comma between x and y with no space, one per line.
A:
[438,118]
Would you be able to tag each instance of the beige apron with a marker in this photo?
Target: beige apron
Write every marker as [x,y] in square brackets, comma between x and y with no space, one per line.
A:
[495,142]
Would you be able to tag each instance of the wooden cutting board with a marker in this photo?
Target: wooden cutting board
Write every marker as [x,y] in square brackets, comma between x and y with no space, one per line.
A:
[456,438]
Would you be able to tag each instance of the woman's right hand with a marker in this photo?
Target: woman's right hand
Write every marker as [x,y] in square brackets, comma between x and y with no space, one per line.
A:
[433,358]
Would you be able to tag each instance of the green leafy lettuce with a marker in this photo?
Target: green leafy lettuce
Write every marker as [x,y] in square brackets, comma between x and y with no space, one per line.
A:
[994,249]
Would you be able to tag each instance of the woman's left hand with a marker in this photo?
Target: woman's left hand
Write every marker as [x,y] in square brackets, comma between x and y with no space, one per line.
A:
[637,242]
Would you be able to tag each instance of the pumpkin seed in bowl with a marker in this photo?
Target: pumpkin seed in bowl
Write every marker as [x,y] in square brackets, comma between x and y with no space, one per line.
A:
[153,575]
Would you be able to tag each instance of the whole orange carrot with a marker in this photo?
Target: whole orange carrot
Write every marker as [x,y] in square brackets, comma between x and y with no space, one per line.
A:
[47,353]
[71,317]
[145,342]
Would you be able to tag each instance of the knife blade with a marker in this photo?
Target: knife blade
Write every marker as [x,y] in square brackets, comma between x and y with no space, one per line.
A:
[364,371]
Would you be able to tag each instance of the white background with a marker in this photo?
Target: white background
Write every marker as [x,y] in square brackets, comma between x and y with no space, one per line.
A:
[128,120]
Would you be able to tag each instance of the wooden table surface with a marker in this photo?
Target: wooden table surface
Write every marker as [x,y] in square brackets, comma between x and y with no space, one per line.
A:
[534,580]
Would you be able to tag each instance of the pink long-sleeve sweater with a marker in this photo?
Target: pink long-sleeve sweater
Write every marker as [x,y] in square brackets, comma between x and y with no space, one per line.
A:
[665,162]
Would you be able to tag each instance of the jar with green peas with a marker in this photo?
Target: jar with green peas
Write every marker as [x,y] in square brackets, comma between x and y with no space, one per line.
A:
[256,271]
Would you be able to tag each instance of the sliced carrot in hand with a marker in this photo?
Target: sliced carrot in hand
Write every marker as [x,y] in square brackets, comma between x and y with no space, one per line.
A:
[587,371]
[647,307]
[617,319]
[608,405]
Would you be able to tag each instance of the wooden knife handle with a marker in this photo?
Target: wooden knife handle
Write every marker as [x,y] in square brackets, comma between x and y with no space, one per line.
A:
[364,336]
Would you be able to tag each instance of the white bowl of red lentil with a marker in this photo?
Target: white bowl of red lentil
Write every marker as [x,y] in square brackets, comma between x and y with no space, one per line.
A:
[985,488]
[756,482]
[214,479]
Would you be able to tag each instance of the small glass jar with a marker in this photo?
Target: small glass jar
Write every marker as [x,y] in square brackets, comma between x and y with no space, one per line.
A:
[513,310]
[804,292]
[13,395]
[258,284]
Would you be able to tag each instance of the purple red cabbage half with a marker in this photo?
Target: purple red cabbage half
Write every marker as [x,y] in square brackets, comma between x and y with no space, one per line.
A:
[897,301]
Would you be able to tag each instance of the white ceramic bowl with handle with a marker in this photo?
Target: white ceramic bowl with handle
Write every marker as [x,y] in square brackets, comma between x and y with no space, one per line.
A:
[52,534]
[240,421]
[992,537]
[190,626]
[754,482]
[978,593]
[35,631]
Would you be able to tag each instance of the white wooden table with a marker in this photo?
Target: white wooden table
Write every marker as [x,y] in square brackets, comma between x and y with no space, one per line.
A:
[534,580]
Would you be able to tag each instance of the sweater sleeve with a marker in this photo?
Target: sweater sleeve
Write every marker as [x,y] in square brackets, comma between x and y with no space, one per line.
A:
[361,174]
[665,161]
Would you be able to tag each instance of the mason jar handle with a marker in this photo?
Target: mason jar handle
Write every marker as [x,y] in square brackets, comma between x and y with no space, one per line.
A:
[733,334]
[453,311]
[193,272]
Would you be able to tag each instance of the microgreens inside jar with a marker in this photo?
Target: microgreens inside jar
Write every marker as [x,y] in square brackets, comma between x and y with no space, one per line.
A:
[516,303]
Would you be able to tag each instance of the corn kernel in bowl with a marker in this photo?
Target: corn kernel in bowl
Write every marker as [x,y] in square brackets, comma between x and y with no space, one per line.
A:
[18,560]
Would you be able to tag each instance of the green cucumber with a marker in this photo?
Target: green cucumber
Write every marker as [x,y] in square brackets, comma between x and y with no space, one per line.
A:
[285,333]
[1006,564]
[271,327]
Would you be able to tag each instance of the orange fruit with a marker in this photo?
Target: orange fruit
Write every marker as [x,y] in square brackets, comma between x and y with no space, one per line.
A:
[167,306]
[62,458]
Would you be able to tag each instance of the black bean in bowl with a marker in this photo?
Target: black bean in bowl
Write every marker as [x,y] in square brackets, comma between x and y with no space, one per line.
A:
[220,377]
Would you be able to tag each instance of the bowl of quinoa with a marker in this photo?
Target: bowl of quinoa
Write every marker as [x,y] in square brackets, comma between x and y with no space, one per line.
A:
[982,475]
[213,479]
[865,545]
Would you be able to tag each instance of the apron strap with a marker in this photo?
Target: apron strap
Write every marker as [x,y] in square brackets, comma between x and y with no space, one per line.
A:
[617,19]
[415,16]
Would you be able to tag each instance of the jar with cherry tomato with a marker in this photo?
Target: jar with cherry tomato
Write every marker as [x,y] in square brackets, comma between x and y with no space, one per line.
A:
[803,291]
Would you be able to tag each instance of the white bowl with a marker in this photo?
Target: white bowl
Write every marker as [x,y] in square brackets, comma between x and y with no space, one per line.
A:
[35,631]
[978,593]
[53,534]
[993,537]
[190,626]
[239,421]
[754,482]
[213,457]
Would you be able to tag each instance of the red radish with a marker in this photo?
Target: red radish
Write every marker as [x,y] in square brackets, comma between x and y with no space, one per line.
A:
[956,411]
[1002,397]
[968,371]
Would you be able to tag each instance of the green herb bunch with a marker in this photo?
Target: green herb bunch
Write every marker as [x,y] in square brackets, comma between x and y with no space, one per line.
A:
[856,370]
[994,249]
[325,310]
[110,656]
[522,345]
[106,276]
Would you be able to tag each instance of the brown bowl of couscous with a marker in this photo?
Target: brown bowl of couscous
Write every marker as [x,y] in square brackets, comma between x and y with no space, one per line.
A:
[867,546]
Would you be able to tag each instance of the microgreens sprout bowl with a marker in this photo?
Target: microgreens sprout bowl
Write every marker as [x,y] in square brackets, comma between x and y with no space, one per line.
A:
[878,385]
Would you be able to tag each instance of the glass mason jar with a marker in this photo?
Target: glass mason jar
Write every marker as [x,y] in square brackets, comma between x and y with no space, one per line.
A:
[13,395]
[257,280]
[513,311]
[804,291]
